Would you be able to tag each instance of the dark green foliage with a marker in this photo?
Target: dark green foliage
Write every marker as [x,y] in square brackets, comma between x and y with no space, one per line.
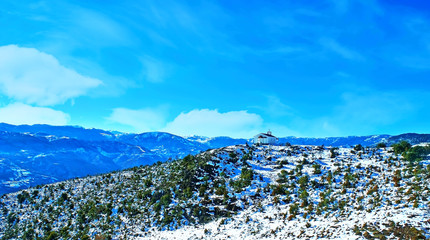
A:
[29,234]
[233,157]
[247,156]
[279,189]
[381,145]
[401,147]
[245,179]
[202,214]
[342,204]
[392,229]
[304,195]
[416,154]
[24,195]
[303,181]
[282,177]
[246,176]
[221,190]
[148,182]
[317,168]
[11,218]
[358,147]
[52,236]
[34,194]
[333,152]
[10,233]
[64,197]
[166,199]
[202,190]
[294,208]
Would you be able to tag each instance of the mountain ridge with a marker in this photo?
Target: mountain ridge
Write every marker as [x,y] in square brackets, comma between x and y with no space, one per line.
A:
[37,154]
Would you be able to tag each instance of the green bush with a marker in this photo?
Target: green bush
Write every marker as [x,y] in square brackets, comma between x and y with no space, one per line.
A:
[294,209]
[317,168]
[333,152]
[381,145]
[401,147]
[303,181]
[24,195]
[358,147]
[416,154]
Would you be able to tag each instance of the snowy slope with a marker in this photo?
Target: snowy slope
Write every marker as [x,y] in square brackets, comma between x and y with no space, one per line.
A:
[236,192]
[39,154]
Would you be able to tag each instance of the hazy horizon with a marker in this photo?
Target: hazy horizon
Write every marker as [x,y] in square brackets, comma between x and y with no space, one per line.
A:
[186,136]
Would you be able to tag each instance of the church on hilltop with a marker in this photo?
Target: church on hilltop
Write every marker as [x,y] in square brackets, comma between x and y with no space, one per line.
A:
[265,138]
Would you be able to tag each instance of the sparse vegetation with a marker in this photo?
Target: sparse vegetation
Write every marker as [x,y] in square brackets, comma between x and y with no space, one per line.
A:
[288,184]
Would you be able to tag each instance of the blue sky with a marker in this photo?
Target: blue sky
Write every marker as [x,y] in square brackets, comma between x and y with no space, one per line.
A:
[302,68]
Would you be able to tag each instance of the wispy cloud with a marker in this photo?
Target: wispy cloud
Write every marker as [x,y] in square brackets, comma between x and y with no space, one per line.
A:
[341,50]
[98,29]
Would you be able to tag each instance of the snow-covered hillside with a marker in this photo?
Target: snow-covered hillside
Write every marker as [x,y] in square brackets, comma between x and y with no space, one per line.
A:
[238,192]
[33,158]
[40,154]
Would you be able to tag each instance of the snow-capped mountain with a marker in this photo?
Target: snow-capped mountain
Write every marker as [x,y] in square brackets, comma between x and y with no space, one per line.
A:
[337,141]
[40,154]
[237,192]
[412,138]
[28,160]
[167,144]
[218,142]
[60,131]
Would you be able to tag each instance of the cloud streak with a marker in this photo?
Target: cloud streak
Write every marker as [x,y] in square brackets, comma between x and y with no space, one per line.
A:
[341,50]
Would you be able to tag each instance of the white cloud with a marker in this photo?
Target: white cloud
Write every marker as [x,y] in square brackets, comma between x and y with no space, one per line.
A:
[34,77]
[203,122]
[212,123]
[142,120]
[19,113]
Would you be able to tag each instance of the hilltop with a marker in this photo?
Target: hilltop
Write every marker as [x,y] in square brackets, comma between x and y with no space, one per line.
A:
[253,192]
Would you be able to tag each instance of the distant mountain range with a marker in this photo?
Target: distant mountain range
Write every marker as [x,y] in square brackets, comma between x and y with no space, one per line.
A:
[37,154]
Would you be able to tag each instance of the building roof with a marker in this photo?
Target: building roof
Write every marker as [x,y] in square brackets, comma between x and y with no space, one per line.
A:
[269,135]
[264,135]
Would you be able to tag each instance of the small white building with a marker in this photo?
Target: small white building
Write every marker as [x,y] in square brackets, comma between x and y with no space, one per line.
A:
[265,138]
